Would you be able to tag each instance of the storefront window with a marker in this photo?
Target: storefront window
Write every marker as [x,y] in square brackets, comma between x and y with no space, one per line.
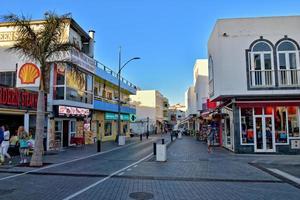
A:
[293,121]
[108,129]
[280,125]
[77,84]
[125,128]
[72,129]
[58,130]
[247,125]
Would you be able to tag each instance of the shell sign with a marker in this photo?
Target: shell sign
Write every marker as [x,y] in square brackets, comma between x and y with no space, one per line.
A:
[28,75]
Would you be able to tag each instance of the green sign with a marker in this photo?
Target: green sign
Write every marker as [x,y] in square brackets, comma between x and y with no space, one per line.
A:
[114,116]
[132,117]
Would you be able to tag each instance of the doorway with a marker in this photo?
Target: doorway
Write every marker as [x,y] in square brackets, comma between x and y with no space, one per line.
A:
[264,137]
[65,133]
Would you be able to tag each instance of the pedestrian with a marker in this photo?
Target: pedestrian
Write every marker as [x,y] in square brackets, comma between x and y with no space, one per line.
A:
[1,140]
[211,135]
[5,143]
[23,144]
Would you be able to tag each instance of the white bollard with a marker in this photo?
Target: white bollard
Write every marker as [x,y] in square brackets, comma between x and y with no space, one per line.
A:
[179,135]
[121,140]
[161,152]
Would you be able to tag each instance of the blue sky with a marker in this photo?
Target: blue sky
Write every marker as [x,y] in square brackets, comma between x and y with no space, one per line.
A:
[167,34]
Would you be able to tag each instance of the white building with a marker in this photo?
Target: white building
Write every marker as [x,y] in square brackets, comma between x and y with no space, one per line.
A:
[254,71]
[201,83]
[190,101]
[150,104]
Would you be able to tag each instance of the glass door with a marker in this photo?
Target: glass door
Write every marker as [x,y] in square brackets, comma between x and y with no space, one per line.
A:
[264,133]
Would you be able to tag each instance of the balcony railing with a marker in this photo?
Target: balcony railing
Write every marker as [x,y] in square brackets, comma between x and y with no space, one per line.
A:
[262,78]
[110,71]
[113,101]
[289,77]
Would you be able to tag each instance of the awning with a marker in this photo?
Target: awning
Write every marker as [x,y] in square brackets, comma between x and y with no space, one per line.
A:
[247,104]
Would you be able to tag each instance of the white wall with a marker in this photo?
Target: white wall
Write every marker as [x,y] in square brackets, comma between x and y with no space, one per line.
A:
[149,103]
[190,101]
[201,82]
[228,52]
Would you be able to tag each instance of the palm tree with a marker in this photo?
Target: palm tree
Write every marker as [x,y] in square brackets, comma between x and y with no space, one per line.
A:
[43,45]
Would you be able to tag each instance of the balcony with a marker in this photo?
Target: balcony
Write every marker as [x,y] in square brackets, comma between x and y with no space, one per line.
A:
[110,105]
[289,77]
[262,78]
[111,76]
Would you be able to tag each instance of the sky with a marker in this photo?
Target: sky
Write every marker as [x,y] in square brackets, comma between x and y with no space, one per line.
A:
[168,35]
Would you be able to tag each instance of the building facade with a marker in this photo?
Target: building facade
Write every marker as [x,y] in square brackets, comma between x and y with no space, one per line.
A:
[80,93]
[105,114]
[254,72]
[151,111]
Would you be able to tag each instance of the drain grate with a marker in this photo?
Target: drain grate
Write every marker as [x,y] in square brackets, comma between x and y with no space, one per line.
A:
[5,192]
[141,195]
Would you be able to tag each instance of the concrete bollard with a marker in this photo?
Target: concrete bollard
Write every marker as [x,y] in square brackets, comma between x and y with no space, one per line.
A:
[161,152]
[162,141]
[141,137]
[154,148]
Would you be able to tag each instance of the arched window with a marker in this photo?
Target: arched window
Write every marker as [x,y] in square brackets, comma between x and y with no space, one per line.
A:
[261,65]
[288,63]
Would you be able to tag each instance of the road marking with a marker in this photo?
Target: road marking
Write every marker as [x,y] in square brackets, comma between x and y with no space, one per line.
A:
[285,175]
[135,165]
[121,174]
[129,169]
[66,162]
[106,178]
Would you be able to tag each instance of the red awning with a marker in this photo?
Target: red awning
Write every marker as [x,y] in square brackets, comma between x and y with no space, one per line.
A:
[247,104]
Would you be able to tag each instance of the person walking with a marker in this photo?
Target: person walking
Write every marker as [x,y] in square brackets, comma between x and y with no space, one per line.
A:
[23,144]
[5,143]
[1,140]
[211,135]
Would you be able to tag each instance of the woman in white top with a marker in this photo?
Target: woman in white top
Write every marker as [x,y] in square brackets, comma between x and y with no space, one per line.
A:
[5,143]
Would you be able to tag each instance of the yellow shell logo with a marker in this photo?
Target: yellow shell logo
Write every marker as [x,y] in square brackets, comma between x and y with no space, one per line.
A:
[28,73]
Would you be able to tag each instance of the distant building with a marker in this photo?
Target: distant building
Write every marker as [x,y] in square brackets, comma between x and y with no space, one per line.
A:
[151,111]
[176,114]
[197,95]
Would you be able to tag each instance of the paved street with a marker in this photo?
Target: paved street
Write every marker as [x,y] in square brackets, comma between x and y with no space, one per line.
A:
[119,172]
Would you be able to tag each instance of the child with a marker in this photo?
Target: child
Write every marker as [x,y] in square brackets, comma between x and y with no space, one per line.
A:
[23,139]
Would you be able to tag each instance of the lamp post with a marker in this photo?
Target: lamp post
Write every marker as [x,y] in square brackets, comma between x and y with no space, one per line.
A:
[119,90]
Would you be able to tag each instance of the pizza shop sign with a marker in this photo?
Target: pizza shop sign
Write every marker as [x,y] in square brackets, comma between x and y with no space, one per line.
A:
[16,98]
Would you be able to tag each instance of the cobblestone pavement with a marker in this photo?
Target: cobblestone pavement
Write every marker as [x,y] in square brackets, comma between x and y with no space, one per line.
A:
[189,173]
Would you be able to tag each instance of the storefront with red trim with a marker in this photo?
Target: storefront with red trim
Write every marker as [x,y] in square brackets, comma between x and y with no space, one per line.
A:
[266,126]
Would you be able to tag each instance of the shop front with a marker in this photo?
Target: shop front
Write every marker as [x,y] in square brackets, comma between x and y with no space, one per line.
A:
[268,127]
[108,124]
[18,108]
[70,126]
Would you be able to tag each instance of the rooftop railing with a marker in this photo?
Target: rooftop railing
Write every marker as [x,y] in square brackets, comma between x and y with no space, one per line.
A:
[110,71]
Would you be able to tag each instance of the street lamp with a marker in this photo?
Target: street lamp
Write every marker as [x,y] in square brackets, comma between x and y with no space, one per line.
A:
[119,90]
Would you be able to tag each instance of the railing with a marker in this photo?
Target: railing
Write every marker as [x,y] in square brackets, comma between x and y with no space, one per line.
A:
[289,77]
[110,71]
[262,78]
[113,101]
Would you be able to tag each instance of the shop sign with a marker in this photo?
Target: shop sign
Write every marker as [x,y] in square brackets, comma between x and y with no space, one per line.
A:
[28,75]
[114,116]
[73,111]
[16,98]
[132,117]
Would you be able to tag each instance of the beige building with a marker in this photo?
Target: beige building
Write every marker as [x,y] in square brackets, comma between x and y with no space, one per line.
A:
[150,110]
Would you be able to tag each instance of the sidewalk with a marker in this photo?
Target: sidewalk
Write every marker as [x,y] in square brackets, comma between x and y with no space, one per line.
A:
[69,153]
